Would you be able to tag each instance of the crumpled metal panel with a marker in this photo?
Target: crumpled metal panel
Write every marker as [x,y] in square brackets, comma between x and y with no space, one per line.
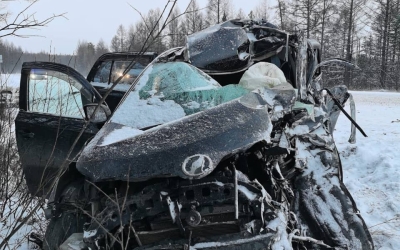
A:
[341,94]
[267,44]
[301,68]
[323,205]
[164,151]
[218,47]
[280,101]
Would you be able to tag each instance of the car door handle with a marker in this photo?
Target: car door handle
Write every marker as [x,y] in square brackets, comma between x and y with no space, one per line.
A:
[27,134]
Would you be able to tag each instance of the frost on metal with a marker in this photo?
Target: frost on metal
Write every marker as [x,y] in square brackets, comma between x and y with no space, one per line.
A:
[226,143]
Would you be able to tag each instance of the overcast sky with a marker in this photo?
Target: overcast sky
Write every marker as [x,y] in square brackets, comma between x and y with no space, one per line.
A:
[88,20]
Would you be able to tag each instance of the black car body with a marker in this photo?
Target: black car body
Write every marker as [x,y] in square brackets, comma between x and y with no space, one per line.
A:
[195,157]
[45,134]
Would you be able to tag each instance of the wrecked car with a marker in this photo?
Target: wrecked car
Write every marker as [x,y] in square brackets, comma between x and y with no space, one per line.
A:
[225,143]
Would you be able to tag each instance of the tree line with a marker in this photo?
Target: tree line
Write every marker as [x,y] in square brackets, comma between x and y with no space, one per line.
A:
[365,32]
[14,56]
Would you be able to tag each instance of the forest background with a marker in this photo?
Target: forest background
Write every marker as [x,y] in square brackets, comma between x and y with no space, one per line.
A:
[365,32]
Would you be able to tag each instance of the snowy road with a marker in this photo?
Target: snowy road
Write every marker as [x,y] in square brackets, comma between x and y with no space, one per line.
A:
[372,166]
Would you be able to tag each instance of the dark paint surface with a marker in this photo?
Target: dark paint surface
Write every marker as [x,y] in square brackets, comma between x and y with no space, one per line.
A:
[322,202]
[43,143]
[160,152]
[44,139]
[216,48]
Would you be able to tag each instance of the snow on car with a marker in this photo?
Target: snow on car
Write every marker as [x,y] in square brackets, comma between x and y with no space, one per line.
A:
[227,143]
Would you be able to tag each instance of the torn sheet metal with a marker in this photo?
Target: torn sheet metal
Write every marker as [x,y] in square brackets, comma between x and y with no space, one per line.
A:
[280,101]
[322,200]
[301,69]
[352,138]
[218,48]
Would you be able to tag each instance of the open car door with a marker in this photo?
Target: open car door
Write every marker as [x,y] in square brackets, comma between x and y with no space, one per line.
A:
[51,116]
[110,66]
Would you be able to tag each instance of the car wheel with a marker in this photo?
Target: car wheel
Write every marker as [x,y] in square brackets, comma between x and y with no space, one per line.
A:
[60,228]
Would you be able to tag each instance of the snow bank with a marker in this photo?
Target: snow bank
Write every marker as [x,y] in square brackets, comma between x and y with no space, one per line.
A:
[372,166]
[14,209]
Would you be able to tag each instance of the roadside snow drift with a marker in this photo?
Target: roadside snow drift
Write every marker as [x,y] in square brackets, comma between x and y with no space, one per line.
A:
[371,166]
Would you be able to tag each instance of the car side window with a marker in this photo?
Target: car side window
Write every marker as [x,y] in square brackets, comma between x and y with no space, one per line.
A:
[109,71]
[54,93]
[120,66]
[103,73]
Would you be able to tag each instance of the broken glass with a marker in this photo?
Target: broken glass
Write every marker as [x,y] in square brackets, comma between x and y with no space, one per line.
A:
[169,91]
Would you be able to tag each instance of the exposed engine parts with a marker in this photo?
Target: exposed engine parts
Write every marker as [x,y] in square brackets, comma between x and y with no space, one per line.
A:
[226,143]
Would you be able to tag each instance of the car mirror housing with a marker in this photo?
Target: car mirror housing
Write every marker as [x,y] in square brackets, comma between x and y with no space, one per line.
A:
[97,116]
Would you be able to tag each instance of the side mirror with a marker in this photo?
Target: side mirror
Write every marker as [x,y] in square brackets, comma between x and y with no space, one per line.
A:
[101,115]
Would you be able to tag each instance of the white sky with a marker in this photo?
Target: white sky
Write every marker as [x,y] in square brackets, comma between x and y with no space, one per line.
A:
[89,20]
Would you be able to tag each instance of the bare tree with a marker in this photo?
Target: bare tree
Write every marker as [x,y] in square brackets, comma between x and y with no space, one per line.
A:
[119,41]
[355,10]
[22,21]
[101,48]
[326,11]
[282,12]
[17,207]
[218,11]
[131,37]
[194,18]
[305,12]
[385,41]
[240,14]
[261,11]
[174,32]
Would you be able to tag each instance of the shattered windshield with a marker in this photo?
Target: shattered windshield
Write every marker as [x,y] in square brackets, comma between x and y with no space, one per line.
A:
[169,91]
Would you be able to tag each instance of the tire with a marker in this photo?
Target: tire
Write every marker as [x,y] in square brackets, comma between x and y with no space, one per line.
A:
[60,228]
[69,222]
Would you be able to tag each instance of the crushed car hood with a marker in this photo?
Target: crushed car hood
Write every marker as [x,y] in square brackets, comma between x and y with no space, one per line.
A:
[190,147]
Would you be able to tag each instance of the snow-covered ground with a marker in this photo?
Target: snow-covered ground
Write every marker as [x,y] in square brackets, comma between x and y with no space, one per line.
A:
[16,209]
[371,166]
